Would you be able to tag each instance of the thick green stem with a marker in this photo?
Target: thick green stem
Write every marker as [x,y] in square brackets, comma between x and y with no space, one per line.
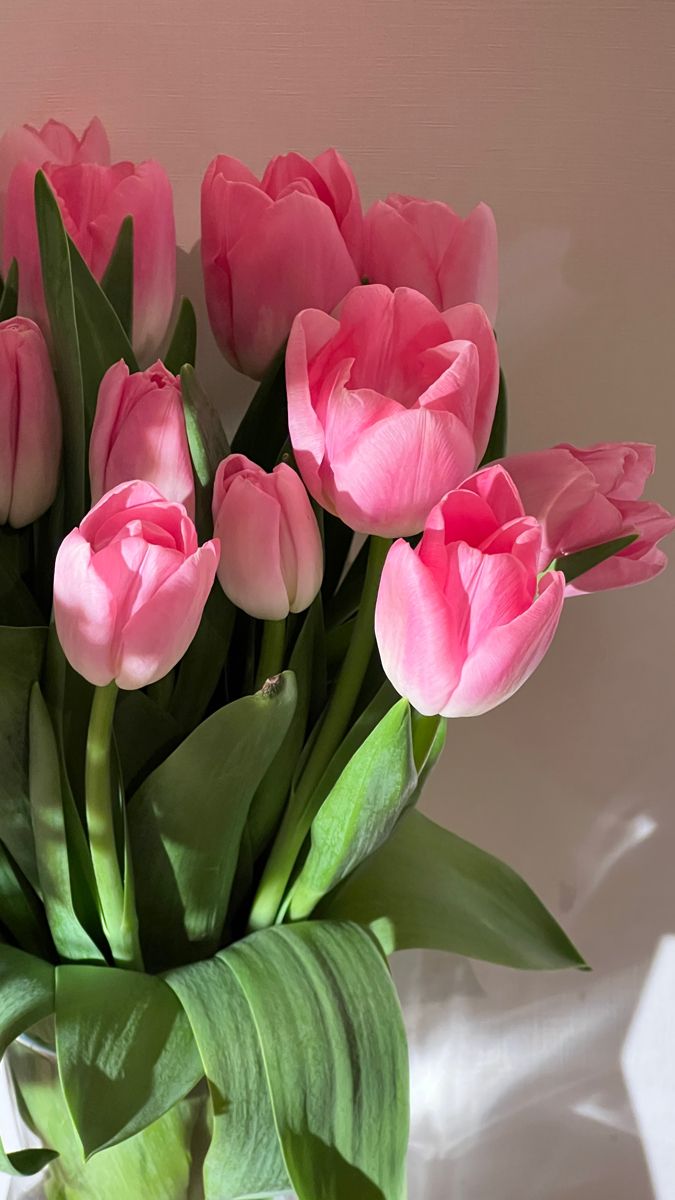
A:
[303,804]
[122,935]
[272,649]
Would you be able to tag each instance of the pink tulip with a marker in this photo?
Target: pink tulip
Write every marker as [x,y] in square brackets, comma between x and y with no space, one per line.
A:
[462,620]
[390,404]
[139,433]
[424,245]
[130,585]
[55,143]
[30,424]
[584,497]
[272,559]
[94,200]
[274,246]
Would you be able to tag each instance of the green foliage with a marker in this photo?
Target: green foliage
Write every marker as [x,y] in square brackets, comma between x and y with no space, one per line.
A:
[118,278]
[26,997]
[496,447]
[9,294]
[263,429]
[187,819]
[427,888]
[574,565]
[182,348]
[21,655]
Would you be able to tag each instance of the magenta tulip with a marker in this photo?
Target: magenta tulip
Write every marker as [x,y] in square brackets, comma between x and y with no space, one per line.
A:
[271,559]
[463,620]
[54,143]
[130,585]
[424,245]
[30,424]
[274,246]
[584,497]
[390,404]
[94,200]
[139,433]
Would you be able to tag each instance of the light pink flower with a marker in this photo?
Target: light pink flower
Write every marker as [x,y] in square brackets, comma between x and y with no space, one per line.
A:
[30,424]
[271,559]
[274,246]
[584,497]
[423,244]
[130,585]
[55,143]
[139,433]
[94,200]
[462,620]
[390,404]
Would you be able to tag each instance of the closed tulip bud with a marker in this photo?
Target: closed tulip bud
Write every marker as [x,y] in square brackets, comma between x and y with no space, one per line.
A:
[390,404]
[463,620]
[54,143]
[139,433]
[94,201]
[424,245]
[584,497]
[274,246]
[30,424]
[271,559]
[130,585]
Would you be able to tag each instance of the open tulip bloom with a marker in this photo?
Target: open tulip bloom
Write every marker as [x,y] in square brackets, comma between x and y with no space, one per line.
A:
[226,671]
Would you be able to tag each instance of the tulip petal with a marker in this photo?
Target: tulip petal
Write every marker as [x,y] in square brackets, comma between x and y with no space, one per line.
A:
[470,323]
[250,574]
[85,611]
[38,430]
[469,270]
[157,635]
[497,488]
[395,253]
[311,330]
[507,656]
[620,469]
[299,527]
[414,631]
[294,258]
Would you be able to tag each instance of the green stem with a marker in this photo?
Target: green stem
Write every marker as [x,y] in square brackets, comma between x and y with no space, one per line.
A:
[272,649]
[121,935]
[303,805]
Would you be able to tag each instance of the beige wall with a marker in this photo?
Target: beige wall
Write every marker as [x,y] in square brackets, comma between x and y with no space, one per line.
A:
[560,114]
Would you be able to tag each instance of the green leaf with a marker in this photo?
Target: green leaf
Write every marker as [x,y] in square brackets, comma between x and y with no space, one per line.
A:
[263,429]
[55,834]
[21,655]
[118,278]
[335,1056]
[337,541]
[496,447]
[361,809]
[101,335]
[21,911]
[270,798]
[427,888]
[26,997]
[10,293]
[346,600]
[125,1050]
[183,345]
[17,605]
[573,565]
[204,661]
[58,288]
[145,733]
[186,822]
[208,445]
[244,1157]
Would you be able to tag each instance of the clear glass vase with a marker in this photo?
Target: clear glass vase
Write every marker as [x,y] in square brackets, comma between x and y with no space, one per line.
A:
[161,1163]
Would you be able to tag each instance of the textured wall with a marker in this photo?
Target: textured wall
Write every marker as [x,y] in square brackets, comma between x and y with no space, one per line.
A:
[560,114]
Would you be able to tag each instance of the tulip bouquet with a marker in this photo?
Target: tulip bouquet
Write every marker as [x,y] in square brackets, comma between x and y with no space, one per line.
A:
[225,670]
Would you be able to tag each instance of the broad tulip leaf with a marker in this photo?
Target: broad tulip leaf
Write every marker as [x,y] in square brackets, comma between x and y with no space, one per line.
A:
[54,832]
[335,1056]
[186,822]
[361,809]
[17,605]
[337,541]
[59,297]
[21,655]
[101,334]
[427,888]
[10,293]
[203,663]
[496,447]
[271,796]
[347,598]
[118,278]
[125,1050]
[182,348]
[244,1157]
[26,997]
[263,429]
[145,734]
[21,911]
[573,565]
